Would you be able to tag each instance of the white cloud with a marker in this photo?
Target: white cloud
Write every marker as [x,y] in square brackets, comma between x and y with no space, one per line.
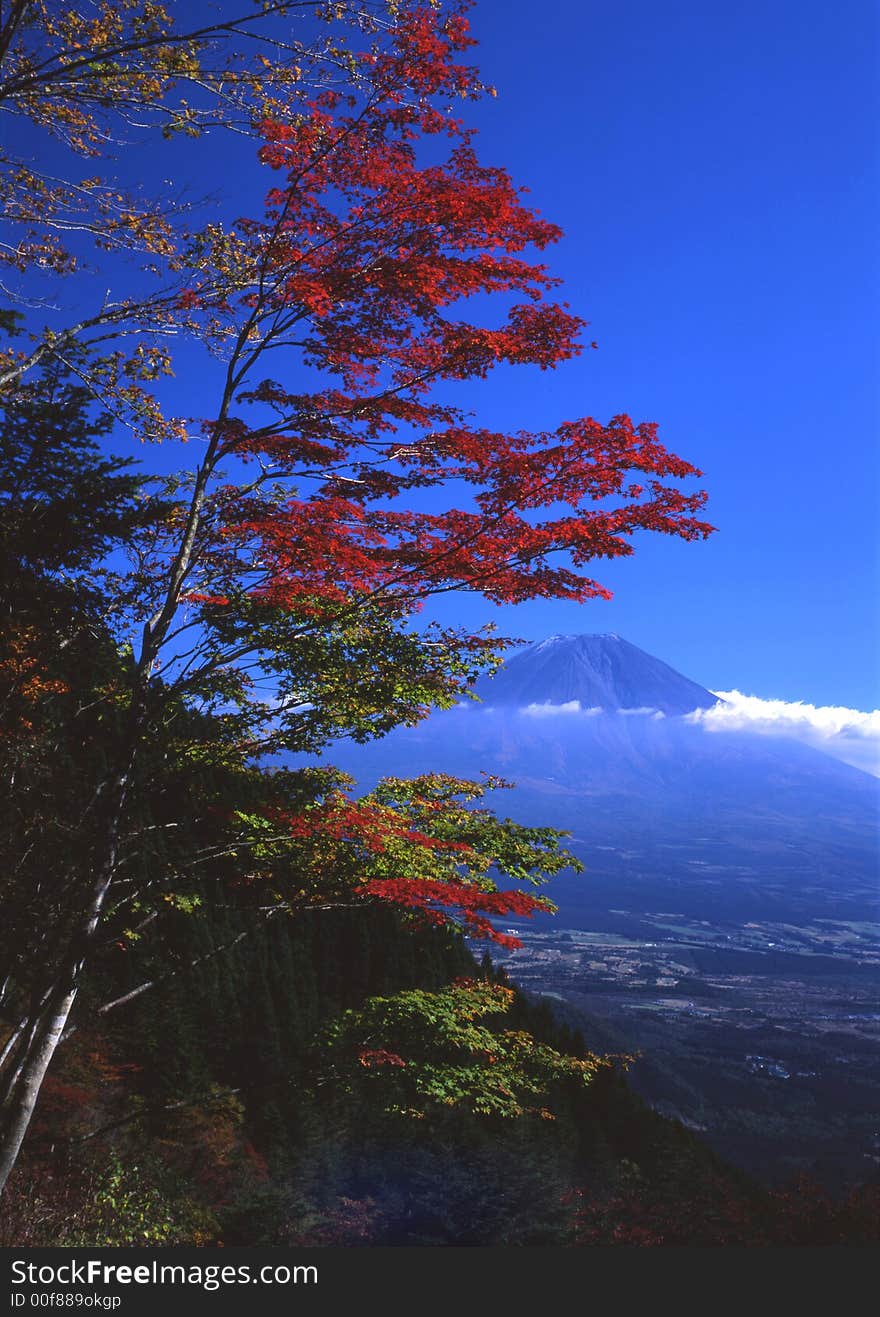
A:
[574,707]
[847,734]
[556,710]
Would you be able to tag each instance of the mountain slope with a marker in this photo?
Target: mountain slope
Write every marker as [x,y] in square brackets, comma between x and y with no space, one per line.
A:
[598,671]
[733,824]
[723,921]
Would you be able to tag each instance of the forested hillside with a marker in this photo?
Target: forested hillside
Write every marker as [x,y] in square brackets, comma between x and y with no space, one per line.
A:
[263,1099]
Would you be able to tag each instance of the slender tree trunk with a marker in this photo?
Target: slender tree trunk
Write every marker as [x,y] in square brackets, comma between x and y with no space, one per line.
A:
[11,1043]
[29,1079]
[51,1011]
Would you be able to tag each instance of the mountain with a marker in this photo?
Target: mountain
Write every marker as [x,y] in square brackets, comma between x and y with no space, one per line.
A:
[723,922]
[664,814]
[597,671]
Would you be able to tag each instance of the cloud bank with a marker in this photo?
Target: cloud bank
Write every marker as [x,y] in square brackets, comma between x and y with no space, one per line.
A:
[847,734]
[572,707]
[558,710]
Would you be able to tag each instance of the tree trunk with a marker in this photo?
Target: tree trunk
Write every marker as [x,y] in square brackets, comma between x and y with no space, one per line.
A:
[50,1011]
[27,1083]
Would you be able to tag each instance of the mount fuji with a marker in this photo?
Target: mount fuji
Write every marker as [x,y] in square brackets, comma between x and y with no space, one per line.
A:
[599,672]
[724,925]
[599,738]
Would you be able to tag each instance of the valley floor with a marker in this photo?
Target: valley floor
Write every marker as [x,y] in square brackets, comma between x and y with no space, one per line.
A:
[765,1037]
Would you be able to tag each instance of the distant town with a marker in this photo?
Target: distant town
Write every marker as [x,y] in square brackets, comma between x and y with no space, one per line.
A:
[764,1036]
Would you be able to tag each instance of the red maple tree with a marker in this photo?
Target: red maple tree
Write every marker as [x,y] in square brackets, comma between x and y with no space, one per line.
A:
[363,263]
[301,546]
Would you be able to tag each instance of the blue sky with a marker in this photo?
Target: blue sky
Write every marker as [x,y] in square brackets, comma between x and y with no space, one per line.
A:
[715,171]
